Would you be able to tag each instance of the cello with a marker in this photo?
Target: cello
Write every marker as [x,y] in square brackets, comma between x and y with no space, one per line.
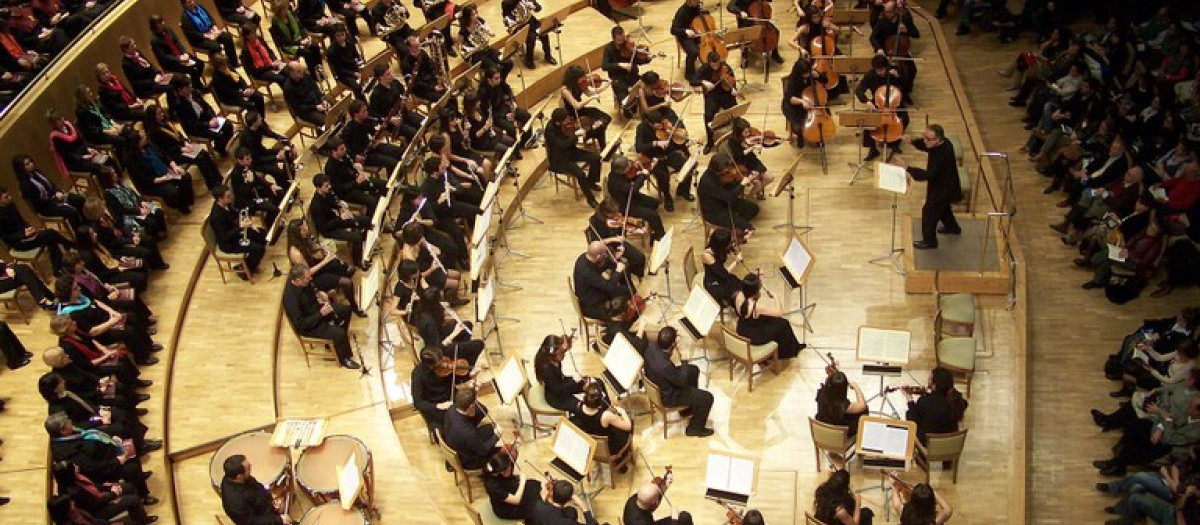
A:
[706,30]
[768,42]
[887,100]
[824,46]
[819,125]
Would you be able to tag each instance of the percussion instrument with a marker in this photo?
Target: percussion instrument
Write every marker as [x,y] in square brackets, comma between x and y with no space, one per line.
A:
[271,465]
[316,470]
[332,513]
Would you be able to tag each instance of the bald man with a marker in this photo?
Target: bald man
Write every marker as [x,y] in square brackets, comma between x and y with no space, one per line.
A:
[302,95]
[640,507]
[592,288]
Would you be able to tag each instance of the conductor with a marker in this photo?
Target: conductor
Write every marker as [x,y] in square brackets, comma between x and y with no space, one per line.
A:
[944,189]
[679,384]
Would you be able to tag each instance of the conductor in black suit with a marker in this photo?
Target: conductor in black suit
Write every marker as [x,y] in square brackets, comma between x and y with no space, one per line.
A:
[474,443]
[941,172]
[679,383]
[313,314]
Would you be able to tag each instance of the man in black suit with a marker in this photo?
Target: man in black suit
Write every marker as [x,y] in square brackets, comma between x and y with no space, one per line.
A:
[197,116]
[640,507]
[244,499]
[349,181]
[229,228]
[941,172]
[670,158]
[474,443]
[99,457]
[592,288]
[431,393]
[313,314]
[359,136]
[171,54]
[721,201]
[678,383]
[334,220]
[385,98]
[552,508]
[564,155]
[145,79]
[301,93]
[19,235]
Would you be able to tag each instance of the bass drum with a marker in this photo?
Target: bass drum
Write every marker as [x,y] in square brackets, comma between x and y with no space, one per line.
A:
[332,513]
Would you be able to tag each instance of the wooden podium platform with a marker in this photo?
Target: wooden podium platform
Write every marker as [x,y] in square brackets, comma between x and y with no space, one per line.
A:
[969,262]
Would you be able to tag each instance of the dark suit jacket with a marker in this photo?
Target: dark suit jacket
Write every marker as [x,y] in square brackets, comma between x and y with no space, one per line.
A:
[12,224]
[343,60]
[248,503]
[559,148]
[225,226]
[162,51]
[302,307]
[342,174]
[226,90]
[302,96]
[95,460]
[141,79]
[357,136]
[193,122]
[40,197]
[322,209]
[474,444]
[941,172]
[659,369]
[592,288]
[546,514]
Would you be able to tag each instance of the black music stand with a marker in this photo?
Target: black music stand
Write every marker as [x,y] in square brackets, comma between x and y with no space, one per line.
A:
[865,121]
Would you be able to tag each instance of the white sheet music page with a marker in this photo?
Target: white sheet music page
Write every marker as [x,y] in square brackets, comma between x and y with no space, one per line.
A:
[717,474]
[890,177]
[796,259]
[571,446]
[484,298]
[623,361]
[895,441]
[483,222]
[874,437]
[510,380]
[883,346]
[701,309]
[662,250]
[349,481]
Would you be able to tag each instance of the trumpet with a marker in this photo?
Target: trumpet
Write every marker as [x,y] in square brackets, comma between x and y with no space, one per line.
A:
[243,216]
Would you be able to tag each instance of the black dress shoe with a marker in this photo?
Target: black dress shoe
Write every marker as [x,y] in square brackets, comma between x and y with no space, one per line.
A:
[149,500]
[1102,463]
[1099,418]
[4,500]
[142,397]
[550,59]
[1090,284]
[685,195]
[156,347]
[143,383]
[1103,487]
[151,519]
[1113,471]
[962,30]
[704,432]
[945,231]
[1081,262]
[922,245]
[350,363]
[149,361]
[669,206]
[359,312]
[142,412]
[151,445]
[874,154]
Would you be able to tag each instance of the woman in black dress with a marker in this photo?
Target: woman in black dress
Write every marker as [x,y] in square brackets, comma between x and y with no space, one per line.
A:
[718,281]
[576,92]
[485,134]
[763,324]
[598,417]
[834,408]
[924,506]
[835,503]
[439,327]
[230,89]
[560,389]
[513,496]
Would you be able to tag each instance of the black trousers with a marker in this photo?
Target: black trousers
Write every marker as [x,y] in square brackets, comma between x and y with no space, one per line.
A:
[586,180]
[674,161]
[336,330]
[646,208]
[51,240]
[354,236]
[385,156]
[931,214]
[14,352]
[24,275]
[1135,448]
[177,194]
[533,36]
[409,124]
[224,41]
[739,215]
[700,401]
[513,129]
[254,250]
[69,210]
[691,51]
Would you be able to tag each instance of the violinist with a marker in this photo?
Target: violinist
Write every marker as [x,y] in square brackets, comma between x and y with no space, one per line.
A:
[580,87]
[328,272]
[313,314]
[622,57]
[564,154]
[553,509]
[420,73]
[432,388]
[472,30]
[720,92]
[640,507]
[656,139]
[833,407]
[440,326]
[743,145]
[464,431]
[496,97]
[508,8]
[741,10]
[679,384]
[719,282]
[720,190]
[561,389]
[761,323]
[607,225]
[624,184]
[939,409]
[512,495]
[920,505]
[592,287]
[598,417]
[363,142]
[688,40]
[891,35]
[656,94]
[881,75]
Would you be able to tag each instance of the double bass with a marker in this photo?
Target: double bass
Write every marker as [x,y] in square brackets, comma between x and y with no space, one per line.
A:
[706,30]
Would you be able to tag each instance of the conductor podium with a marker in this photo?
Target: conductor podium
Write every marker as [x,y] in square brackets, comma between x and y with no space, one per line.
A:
[975,261]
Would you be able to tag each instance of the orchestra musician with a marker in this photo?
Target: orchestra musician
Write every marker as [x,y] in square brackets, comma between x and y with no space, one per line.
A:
[464,432]
[389,105]
[579,88]
[740,9]
[230,227]
[743,144]
[508,8]
[640,507]
[764,323]
[363,142]
[349,180]
[432,387]
[553,509]
[391,19]
[303,96]
[890,35]
[597,416]
[512,494]
[621,61]
[252,191]
[328,272]
[454,192]
[720,92]
[420,73]
[920,505]
[687,38]
[625,190]
[794,106]
[592,288]
[483,134]
[345,60]
[496,98]
[941,172]
[456,152]
[435,223]
[408,284]
[719,281]
[881,74]
[474,36]
[561,390]
[313,313]
[834,502]
[833,407]
[939,409]
[272,160]
[246,500]
[648,98]
[679,383]
[332,218]
[440,326]
[753,517]
[563,153]
[720,192]
[655,140]
[609,226]
[814,24]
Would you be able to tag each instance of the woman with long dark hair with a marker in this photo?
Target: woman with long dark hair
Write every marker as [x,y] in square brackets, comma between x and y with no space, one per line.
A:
[719,282]
[575,93]
[42,195]
[120,242]
[763,323]
[109,269]
[596,415]
[439,327]
[924,506]
[560,389]
[834,408]
[941,409]
[328,272]
[835,503]
[512,495]
[171,140]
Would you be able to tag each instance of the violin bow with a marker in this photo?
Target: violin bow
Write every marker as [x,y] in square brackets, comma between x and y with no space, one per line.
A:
[650,469]
[628,204]
[571,338]
[613,256]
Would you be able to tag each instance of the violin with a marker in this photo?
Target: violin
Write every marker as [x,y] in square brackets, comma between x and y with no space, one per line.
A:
[568,342]
[448,365]
[766,139]
[637,305]
[724,77]
[676,90]
[664,480]
[832,367]
[591,81]
[902,487]
[642,164]
[626,222]
[734,173]
[677,135]
[570,125]
[732,516]
[634,51]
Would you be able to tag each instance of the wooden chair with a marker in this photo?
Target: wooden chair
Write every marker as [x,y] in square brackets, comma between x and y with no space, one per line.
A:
[809,519]
[708,226]
[592,328]
[614,462]
[481,513]
[225,261]
[460,474]
[955,313]
[565,179]
[941,447]
[741,351]
[534,396]
[654,395]
[956,354]
[29,257]
[83,183]
[264,88]
[312,345]
[690,270]
[11,300]
[57,224]
[233,113]
[831,439]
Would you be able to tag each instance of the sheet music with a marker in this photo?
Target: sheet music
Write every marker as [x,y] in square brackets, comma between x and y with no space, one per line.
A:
[1114,253]
[623,361]
[796,259]
[701,309]
[349,481]
[730,474]
[883,346]
[662,250]
[483,299]
[890,177]
[483,222]
[510,380]
[883,439]
[298,433]
[478,256]
[572,446]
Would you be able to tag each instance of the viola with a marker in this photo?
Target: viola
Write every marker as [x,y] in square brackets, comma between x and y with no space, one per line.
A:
[731,514]
[832,367]
[676,90]
[641,164]
[625,222]
[570,125]
[734,173]
[725,77]
[568,341]
[766,139]
[448,365]
[706,28]
[591,81]
[631,50]
[669,131]
[637,305]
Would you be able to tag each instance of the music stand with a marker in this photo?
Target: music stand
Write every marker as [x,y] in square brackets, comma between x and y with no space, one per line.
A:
[888,348]
[622,365]
[485,303]
[573,450]
[730,478]
[798,262]
[509,380]
[700,312]
[659,258]
[892,179]
[787,183]
[851,65]
[741,38]
[725,117]
[884,444]
[865,121]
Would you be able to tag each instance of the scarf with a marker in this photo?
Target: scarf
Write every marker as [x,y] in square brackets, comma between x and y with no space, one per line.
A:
[137,56]
[200,19]
[79,400]
[70,308]
[11,46]
[128,199]
[258,53]
[169,40]
[88,485]
[88,351]
[90,434]
[151,156]
[290,27]
[114,85]
[104,120]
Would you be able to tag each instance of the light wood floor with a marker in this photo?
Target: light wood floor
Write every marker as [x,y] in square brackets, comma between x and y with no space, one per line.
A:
[223,382]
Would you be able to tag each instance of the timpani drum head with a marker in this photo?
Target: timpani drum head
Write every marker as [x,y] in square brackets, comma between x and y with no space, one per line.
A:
[267,464]
[332,514]
[316,470]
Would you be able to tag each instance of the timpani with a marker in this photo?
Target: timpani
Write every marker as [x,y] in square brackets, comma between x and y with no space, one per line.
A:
[270,465]
[332,513]
[316,470]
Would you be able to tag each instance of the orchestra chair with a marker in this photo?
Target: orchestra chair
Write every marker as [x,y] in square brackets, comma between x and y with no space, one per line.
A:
[451,458]
[810,520]
[29,257]
[565,179]
[956,354]
[264,87]
[690,270]
[946,448]
[622,459]
[654,395]
[57,224]
[233,262]
[312,345]
[833,440]
[83,183]
[964,175]
[11,300]
[591,327]
[233,113]
[741,351]
[534,396]
[708,226]
[955,315]
[481,513]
